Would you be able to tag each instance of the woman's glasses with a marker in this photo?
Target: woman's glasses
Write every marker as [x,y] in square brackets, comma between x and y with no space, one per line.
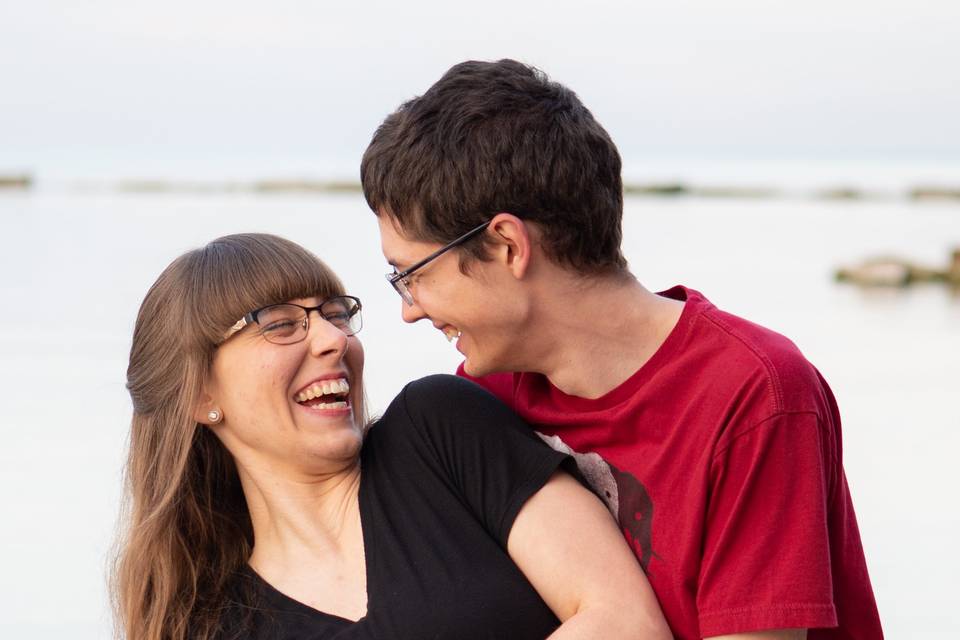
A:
[288,323]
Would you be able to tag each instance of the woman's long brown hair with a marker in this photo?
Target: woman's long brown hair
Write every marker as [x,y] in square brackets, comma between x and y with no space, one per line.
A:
[186,527]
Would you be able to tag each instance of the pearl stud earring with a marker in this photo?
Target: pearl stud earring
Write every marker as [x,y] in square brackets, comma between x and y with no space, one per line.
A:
[214,416]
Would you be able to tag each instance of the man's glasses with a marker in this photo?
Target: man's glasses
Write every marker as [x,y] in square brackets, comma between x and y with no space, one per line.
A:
[288,323]
[401,281]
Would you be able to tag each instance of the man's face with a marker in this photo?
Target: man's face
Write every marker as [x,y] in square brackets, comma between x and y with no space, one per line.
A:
[470,309]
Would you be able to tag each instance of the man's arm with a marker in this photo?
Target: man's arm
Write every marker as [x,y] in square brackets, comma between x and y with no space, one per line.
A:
[570,549]
[766,552]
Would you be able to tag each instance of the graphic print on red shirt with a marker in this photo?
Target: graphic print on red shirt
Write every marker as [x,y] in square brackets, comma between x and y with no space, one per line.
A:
[732,439]
[625,497]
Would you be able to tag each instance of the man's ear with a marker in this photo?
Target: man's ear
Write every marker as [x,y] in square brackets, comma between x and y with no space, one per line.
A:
[513,240]
[207,411]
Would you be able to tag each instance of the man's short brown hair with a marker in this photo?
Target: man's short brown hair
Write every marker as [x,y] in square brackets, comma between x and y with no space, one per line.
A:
[500,136]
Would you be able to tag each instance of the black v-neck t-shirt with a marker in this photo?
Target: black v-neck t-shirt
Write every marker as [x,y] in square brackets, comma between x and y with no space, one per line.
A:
[444,473]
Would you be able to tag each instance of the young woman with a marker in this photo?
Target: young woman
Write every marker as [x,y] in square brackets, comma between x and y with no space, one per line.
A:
[262,504]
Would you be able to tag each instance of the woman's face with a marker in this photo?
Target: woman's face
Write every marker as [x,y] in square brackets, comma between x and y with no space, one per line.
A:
[265,393]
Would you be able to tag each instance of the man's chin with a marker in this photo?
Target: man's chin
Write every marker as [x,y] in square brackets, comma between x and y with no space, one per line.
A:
[474,369]
[478,368]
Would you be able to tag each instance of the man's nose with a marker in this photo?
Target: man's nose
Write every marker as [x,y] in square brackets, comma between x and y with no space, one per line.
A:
[411,312]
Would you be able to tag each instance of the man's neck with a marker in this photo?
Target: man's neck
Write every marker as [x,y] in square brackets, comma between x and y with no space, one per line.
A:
[592,335]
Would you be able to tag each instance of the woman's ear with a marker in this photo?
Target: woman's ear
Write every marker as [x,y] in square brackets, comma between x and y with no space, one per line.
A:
[513,237]
[206,411]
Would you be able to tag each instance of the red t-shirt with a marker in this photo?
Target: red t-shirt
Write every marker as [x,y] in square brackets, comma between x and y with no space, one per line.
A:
[721,458]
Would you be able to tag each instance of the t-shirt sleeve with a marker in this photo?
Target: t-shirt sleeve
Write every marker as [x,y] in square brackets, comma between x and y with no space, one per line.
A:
[487,455]
[766,551]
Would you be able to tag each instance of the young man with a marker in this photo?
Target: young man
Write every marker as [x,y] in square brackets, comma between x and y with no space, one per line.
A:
[713,441]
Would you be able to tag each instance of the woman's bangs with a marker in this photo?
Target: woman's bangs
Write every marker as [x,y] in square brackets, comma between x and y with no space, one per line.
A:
[239,273]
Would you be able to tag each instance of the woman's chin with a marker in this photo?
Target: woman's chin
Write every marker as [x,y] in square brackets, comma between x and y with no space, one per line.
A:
[340,446]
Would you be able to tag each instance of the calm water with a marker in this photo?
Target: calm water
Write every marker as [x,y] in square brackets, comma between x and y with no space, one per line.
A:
[74,268]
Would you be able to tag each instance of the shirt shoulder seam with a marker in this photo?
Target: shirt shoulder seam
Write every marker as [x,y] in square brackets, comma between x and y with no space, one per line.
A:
[763,423]
[773,378]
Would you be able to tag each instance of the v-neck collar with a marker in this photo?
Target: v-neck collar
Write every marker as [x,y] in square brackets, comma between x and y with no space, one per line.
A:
[283,601]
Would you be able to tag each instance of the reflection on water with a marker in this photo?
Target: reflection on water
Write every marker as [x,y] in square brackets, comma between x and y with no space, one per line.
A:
[75,268]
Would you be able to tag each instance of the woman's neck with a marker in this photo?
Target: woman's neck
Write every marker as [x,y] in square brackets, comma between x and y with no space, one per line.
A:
[308,537]
[301,519]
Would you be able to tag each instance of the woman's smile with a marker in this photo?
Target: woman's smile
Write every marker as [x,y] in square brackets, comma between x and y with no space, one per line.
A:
[325,394]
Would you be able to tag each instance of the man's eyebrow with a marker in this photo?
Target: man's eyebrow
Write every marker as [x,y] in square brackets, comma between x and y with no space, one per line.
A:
[397,263]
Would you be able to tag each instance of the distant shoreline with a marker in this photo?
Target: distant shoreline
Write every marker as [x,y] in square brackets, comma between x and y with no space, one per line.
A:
[19,181]
[665,189]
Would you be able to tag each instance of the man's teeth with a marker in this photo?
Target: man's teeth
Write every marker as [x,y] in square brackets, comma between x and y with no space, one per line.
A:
[324,388]
[451,333]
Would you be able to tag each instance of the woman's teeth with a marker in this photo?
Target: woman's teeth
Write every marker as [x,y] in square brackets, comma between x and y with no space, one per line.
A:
[337,387]
[451,333]
[330,405]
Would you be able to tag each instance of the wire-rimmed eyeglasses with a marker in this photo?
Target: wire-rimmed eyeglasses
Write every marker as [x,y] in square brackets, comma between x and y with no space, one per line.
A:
[400,281]
[288,323]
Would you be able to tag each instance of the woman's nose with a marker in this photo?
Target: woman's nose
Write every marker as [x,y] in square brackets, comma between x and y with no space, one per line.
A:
[324,337]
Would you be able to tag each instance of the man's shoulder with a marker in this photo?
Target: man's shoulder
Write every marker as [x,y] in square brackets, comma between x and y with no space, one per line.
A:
[712,327]
[710,353]
[743,351]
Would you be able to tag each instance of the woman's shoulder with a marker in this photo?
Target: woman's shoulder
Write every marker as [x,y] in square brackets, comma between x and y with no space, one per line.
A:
[441,383]
[443,392]
[433,404]
[415,408]
[445,413]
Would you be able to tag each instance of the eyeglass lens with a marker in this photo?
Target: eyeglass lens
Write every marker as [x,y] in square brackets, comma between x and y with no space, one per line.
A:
[400,286]
[287,323]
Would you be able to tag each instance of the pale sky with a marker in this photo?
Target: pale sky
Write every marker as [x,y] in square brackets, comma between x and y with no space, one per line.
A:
[168,87]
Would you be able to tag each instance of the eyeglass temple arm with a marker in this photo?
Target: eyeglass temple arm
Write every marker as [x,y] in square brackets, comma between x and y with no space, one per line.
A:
[238,325]
[469,234]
